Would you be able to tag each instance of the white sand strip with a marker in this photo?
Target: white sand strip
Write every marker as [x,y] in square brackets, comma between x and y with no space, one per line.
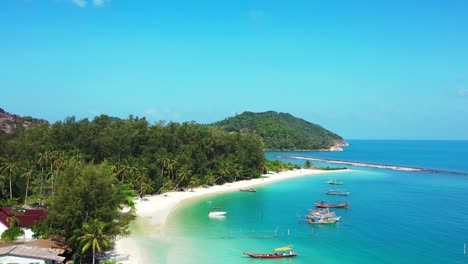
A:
[157,208]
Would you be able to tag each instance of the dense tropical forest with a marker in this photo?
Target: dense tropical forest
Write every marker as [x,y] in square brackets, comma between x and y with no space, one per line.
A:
[85,171]
[282,131]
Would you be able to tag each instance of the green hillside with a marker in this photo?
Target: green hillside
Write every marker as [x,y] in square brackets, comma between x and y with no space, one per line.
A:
[282,131]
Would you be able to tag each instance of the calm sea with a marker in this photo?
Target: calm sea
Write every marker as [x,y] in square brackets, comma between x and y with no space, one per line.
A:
[394,216]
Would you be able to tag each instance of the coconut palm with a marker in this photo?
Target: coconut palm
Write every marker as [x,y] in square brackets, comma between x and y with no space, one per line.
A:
[28,174]
[9,168]
[183,174]
[93,237]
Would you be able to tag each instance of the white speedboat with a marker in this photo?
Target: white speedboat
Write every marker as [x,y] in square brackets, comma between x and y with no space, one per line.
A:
[217,213]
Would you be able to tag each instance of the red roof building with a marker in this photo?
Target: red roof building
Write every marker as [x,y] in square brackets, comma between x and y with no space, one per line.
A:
[26,219]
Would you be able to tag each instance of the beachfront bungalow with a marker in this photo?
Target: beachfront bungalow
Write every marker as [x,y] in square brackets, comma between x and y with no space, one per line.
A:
[26,220]
[22,254]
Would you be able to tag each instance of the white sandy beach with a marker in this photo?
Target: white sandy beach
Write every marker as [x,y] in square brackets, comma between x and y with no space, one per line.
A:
[157,208]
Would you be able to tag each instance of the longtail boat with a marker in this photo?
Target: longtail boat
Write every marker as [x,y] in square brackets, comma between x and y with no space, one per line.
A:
[323,204]
[271,255]
[248,190]
[336,192]
[324,221]
[334,182]
[320,214]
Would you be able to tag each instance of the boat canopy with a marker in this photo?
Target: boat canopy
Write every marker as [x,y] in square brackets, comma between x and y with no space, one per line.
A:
[287,248]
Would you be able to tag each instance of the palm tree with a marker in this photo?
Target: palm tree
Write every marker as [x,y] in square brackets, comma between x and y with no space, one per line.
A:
[183,173]
[27,174]
[9,168]
[42,161]
[93,236]
[163,162]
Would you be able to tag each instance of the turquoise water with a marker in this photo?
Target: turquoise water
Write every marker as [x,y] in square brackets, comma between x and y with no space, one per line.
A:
[394,217]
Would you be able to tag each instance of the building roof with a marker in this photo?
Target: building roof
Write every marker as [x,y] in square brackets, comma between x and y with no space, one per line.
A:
[26,218]
[50,243]
[32,252]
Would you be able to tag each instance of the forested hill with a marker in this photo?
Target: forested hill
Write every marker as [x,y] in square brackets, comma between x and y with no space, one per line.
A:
[282,131]
[10,122]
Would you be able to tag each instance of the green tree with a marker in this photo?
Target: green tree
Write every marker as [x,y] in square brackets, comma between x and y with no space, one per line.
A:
[27,175]
[86,193]
[94,237]
[9,168]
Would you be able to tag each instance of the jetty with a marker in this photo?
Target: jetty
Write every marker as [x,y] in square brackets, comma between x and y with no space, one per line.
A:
[374,165]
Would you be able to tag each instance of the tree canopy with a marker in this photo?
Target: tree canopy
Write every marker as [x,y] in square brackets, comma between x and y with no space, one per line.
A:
[282,131]
[85,171]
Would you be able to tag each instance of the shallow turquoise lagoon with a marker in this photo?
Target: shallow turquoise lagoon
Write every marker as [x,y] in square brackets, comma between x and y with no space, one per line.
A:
[394,217]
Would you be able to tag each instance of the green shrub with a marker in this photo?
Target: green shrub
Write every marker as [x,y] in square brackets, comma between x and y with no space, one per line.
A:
[11,234]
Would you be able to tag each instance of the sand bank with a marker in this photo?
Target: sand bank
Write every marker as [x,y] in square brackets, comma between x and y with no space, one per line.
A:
[155,209]
[361,164]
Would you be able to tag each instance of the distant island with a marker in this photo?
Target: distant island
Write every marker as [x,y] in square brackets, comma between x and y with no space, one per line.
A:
[282,131]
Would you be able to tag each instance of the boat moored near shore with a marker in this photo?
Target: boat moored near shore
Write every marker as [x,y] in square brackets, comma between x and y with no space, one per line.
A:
[323,204]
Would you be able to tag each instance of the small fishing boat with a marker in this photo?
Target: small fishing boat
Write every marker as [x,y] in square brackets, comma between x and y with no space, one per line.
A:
[334,182]
[320,214]
[248,190]
[337,192]
[323,204]
[279,253]
[271,255]
[324,221]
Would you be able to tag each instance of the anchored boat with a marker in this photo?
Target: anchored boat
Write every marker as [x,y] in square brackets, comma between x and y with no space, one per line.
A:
[334,182]
[323,204]
[337,192]
[282,252]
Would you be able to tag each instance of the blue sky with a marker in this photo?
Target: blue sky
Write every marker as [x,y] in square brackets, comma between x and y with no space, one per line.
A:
[363,69]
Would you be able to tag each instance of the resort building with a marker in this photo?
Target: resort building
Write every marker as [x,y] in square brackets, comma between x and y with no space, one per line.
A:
[25,219]
[22,254]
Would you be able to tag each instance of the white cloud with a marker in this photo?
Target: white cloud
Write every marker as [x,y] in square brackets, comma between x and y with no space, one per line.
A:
[255,13]
[151,112]
[100,2]
[462,92]
[96,3]
[162,114]
[80,3]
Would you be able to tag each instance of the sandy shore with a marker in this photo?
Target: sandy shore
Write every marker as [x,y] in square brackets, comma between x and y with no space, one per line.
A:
[157,208]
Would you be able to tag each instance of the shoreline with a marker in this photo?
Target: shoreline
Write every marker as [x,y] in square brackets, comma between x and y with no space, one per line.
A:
[156,209]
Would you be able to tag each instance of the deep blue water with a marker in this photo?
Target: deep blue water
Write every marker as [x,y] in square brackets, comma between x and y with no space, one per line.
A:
[437,155]
[394,216]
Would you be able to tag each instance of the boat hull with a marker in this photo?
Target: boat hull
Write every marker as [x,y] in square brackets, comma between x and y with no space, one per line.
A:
[337,193]
[272,255]
[325,205]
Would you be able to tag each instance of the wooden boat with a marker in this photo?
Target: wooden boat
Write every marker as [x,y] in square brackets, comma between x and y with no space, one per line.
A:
[324,221]
[320,214]
[323,204]
[334,182]
[248,190]
[271,255]
[336,192]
